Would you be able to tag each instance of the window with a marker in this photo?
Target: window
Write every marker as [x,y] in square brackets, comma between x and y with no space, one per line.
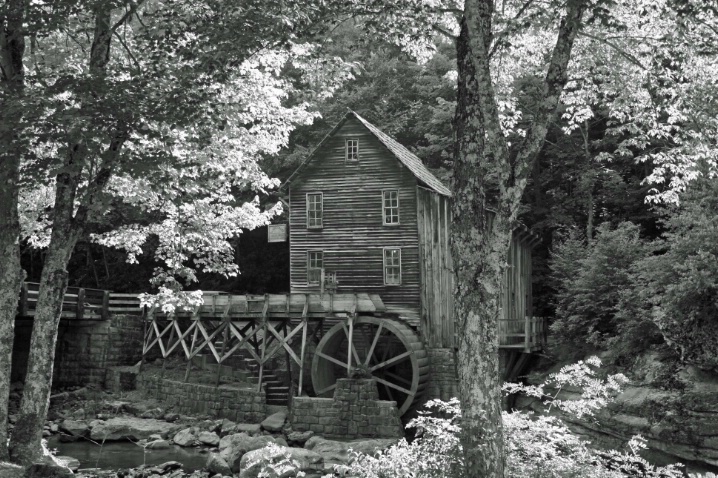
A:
[390,208]
[315,264]
[392,266]
[352,150]
[315,210]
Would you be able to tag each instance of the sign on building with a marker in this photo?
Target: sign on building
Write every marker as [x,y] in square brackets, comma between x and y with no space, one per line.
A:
[277,233]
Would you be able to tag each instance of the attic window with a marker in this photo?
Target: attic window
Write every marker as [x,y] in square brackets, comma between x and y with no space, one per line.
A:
[352,150]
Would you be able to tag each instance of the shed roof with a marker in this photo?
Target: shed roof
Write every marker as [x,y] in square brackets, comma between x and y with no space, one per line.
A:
[406,157]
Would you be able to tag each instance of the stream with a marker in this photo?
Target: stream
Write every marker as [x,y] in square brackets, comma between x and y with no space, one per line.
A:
[124,454]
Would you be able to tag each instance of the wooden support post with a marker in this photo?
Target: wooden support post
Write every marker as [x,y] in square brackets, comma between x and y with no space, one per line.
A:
[105,311]
[225,322]
[264,341]
[23,300]
[195,316]
[305,325]
[80,313]
[170,317]
[527,333]
[349,352]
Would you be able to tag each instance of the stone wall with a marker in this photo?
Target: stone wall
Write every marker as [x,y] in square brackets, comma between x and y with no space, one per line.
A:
[85,348]
[354,412]
[242,405]
[443,382]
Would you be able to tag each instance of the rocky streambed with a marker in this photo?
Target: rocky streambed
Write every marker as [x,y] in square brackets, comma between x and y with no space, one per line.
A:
[140,439]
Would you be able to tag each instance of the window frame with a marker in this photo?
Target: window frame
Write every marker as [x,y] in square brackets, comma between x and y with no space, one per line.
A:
[346,150]
[383,208]
[384,266]
[321,217]
[319,278]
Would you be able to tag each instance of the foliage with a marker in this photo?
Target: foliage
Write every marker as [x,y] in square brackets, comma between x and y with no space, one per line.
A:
[679,287]
[591,279]
[275,462]
[537,446]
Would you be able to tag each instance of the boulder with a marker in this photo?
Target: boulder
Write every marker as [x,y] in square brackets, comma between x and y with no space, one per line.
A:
[337,452]
[186,437]
[157,445]
[274,422]
[124,428]
[218,465]
[233,447]
[254,462]
[299,438]
[171,417]
[249,428]
[72,463]
[208,438]
[153,413]
[76,428]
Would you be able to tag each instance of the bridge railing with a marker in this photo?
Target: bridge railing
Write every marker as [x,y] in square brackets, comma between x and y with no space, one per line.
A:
[528,334]
[78,302]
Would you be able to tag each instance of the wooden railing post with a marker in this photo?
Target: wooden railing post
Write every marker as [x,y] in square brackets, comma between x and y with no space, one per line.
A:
[105,311]
[23,300]
[527,333]
[80,304]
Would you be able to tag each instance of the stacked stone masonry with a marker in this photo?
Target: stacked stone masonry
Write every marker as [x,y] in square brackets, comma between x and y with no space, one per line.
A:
[85,348]
[242,405]
[443,382]
[354,412]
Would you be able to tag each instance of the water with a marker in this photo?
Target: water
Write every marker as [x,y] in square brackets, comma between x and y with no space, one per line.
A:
[123,454]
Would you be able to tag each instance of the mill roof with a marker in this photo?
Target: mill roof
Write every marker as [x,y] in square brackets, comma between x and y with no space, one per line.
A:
[406,157]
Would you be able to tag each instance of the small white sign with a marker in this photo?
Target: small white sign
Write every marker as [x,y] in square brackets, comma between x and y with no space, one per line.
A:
[277,233]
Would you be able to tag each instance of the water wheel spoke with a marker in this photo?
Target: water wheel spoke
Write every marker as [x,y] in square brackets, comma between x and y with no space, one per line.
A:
[373,344]
[353,348]
[331,359]
[392,361]
[393,385]
[326,389]
[397,378]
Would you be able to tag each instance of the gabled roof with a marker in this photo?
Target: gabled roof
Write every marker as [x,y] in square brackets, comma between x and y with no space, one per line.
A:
[406,157]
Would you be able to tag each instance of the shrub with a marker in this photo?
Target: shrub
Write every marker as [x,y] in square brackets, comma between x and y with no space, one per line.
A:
[537,446]
[592,280]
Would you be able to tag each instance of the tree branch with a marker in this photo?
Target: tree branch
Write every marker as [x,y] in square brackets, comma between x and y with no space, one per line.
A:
[621,51]
[554,83]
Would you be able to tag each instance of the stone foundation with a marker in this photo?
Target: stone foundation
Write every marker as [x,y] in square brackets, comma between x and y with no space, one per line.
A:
[85,348]
[242,405]
[443,382]
[354,412]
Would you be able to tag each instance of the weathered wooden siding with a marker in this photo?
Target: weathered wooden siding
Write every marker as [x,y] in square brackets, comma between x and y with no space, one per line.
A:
[437,276]
[437,284]
[517,299]
[353,236]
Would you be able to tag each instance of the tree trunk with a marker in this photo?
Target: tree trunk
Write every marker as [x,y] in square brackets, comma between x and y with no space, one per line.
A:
[480,240]
[12,50]
[478,244]
[11,278]
[25,444]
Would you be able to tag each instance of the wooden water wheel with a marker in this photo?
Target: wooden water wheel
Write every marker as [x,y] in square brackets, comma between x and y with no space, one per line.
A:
[387,349]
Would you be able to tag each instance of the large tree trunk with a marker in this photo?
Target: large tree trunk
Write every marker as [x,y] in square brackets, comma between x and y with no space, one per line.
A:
[11,278]
[480,240]
[25,444]
[12,49]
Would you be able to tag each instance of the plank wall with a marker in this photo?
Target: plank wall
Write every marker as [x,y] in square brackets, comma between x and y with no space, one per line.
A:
[437,284]
[353,236]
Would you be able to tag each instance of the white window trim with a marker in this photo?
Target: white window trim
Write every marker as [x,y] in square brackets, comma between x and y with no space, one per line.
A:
[318,282]
[383,259]
[321,201]
[346,150]
[383,208]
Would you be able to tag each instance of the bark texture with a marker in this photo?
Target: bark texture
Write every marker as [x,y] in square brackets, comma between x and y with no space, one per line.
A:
[67,227]
[479,243]
[12,49]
